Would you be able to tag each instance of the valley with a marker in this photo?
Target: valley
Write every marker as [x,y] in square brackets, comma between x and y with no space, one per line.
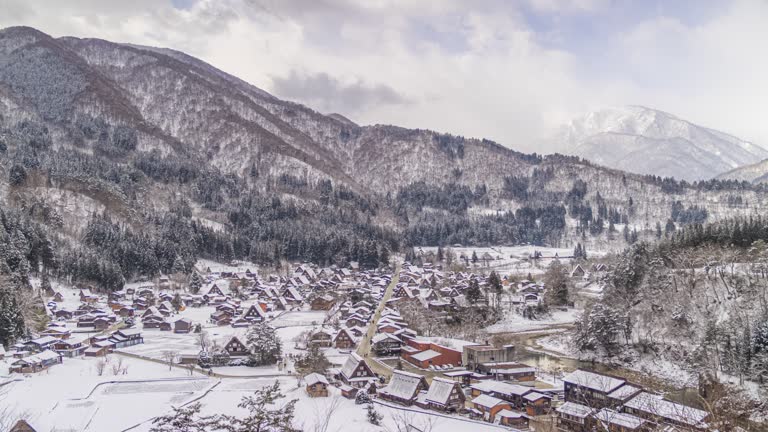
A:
[183,251]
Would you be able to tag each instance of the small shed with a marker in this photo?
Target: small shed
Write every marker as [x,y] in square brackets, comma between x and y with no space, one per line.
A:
[317,385]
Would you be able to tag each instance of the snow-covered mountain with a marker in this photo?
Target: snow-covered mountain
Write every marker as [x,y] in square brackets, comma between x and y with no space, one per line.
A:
[91,127]
[648,141]
[753,173]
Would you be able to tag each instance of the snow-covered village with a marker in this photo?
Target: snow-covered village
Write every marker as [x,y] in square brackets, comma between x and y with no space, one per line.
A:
[383,216]
[402,347]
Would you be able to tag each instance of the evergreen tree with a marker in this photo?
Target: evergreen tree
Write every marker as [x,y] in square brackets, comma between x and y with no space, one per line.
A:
[362,397]
[556,281]
[12,324]
[45,283]
[670,227]
[265,414]
[264,345]
[17,175]
[184,419]
[178,266]
[195,283]
[384,256]
[176,302]
[314,361]
[473,292]
[374,417]
[494,281]
[760,338]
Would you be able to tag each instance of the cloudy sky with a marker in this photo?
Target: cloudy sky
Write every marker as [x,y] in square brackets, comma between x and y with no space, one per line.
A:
[506,70]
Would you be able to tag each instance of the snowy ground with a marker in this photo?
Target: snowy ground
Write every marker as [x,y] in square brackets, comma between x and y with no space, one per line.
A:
[299,319]
[73,397]
[514,259]
[342,414]
[652,365]
[516,323]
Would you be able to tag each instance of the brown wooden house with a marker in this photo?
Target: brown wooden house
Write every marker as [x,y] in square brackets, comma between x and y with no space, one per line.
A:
[182,325]
[235,348]
[343,340]
[445,395]
[317,385]
[323,302]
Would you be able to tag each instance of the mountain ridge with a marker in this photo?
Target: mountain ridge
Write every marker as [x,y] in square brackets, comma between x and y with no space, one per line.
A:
[100,137]
[609,136]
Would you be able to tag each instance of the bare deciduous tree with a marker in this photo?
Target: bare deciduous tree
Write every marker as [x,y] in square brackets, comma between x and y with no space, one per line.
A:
[101,365]
[117,367]
[203,341]
[169,356]
[323,412]
[406,421]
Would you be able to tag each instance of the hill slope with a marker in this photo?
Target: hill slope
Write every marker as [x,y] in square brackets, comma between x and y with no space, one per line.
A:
[755,173]
[123,161]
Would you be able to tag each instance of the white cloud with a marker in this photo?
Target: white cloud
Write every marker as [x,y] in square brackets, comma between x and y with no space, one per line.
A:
[478,71]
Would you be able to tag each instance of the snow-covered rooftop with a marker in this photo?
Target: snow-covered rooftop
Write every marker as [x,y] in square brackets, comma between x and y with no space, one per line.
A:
[425,355]
[501,387]
[621,419]
[656,405]
[315,378]
[440,390]
[593,381]
[487,401]
[351,364]
[575,410]
[624,392]
[403,385]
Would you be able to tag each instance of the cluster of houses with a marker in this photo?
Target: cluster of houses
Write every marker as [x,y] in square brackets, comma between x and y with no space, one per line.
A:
[320,289]
[86,328]
[593,400]
[475,393]
[56,343]
[588,401]
[439,291]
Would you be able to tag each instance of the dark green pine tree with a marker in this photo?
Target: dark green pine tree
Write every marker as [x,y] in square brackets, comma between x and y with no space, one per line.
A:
[176,302]
[384,256]
[12,325]
[473,292]
[195,283]
[495,282]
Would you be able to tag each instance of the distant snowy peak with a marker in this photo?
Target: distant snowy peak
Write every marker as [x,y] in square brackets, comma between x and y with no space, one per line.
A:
[649,141]
[754,173]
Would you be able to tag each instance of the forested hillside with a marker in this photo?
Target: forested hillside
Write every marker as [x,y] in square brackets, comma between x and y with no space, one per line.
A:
[119,162]
[698,300]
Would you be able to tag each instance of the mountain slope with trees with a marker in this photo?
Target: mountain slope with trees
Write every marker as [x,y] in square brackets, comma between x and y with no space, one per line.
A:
[120,161]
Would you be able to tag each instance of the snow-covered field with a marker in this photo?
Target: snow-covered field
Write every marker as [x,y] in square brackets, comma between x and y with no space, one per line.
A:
[513,259]
[342,414]
[73,396]
[516,323]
